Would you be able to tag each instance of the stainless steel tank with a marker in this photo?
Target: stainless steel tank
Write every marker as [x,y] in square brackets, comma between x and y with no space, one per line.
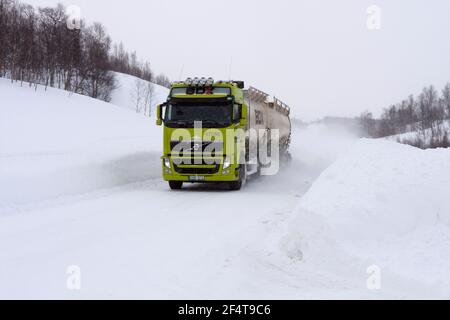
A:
[266,113]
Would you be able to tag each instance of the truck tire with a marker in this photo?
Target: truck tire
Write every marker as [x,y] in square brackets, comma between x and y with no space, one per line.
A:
[237,185]
[176,185]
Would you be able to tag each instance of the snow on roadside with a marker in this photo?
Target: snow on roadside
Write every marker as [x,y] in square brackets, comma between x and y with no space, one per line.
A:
[382,204]
[54,143]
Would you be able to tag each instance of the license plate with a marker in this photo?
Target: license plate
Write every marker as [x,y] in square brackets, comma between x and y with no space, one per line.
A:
[196,178]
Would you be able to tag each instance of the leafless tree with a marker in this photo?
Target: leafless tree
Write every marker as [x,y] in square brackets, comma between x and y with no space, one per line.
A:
[143,96]
[138,95]
[122,61]
[37,47]
[149,98]
[368,124]
[163,80]
[445,100]
[424,115]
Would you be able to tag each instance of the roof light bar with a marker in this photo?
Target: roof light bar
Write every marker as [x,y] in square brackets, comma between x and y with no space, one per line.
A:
[199,82]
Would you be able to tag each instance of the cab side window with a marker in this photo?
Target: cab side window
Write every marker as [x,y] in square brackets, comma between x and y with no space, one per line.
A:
[237,112]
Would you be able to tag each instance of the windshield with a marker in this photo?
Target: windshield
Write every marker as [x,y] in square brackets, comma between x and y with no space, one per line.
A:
[183,115]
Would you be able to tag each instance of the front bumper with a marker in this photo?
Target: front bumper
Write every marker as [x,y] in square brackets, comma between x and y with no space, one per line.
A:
[189,173]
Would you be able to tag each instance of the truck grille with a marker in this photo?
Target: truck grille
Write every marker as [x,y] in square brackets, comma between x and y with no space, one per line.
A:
[197,171]
[196,147]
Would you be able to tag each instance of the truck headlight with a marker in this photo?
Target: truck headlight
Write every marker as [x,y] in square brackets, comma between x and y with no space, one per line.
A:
[226,163]
[167,163]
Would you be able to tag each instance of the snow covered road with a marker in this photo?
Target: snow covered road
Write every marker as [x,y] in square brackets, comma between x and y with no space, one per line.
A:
[142,240]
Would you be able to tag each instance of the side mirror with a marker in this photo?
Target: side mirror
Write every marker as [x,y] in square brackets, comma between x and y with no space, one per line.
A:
[159,121]
[244,120]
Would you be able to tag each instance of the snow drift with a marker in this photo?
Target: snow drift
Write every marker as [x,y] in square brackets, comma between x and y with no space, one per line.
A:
[382,204]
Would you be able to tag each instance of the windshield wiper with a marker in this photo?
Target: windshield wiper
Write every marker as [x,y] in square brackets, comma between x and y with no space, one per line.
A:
[216,123]
[179,123]
[189,124]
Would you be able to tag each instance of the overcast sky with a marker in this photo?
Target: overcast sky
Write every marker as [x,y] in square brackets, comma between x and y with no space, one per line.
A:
[317,56]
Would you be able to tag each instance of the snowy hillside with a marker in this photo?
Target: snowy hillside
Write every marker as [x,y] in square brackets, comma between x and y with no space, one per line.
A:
[53,143]
[130,89]
[80,186]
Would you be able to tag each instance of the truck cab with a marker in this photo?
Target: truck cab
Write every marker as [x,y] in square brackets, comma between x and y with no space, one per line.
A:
[205,124]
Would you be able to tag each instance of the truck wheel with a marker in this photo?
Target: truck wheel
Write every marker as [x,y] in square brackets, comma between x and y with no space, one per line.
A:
[237,185]
[175,185]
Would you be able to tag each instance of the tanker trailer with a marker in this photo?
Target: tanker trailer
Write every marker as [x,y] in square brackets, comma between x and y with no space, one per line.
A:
[270,115]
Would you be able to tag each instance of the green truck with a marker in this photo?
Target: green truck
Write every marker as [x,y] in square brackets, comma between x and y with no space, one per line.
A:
[217,131]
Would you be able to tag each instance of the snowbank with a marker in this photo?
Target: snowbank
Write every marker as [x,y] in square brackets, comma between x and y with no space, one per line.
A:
[381,204]
[54,143]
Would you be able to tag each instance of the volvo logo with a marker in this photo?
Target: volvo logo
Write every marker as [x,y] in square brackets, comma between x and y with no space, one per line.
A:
[196,147]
